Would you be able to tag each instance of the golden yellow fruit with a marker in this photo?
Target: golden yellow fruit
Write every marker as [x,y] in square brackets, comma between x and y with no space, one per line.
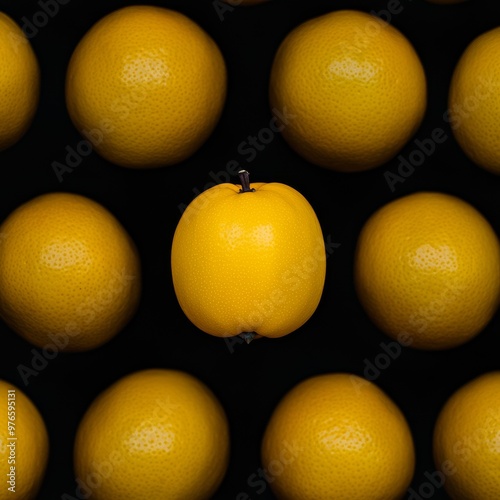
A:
[19,82]
[69,272]
[466,448]
[354,86]
[338,437]
[248,261]
[24,445]
[148,85]
[427,269]
[474,101]
[155,434]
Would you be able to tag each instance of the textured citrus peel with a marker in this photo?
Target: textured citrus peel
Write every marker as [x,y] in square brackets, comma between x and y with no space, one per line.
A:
[245,188]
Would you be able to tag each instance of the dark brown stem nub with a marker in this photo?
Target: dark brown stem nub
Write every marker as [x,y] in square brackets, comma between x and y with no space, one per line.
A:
[248,336]
[245,182]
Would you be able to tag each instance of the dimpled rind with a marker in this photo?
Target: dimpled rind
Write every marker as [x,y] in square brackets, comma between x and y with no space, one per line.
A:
[338,437]
[70,274]
[427,268]
[249,262]
[356,89]
[19,83]
[466,440]
[148,85]
[155,434]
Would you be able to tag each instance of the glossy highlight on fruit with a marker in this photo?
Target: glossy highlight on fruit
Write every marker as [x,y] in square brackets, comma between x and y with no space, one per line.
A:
[338,436]
[248,259]
[70,276]
[146,85]
[154,434]
[427,267]
[355,86]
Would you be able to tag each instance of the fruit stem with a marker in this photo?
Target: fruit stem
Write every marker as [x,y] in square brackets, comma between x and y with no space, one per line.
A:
[248,336]
[245,181]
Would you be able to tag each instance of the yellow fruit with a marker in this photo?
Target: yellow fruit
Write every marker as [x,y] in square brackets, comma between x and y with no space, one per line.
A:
[248,261]
[69,273]
[338,437]
[474,101]
[148,85]
[427,269]
[155,434]
[19,82]
[466,440]
[24,445]
[355,87]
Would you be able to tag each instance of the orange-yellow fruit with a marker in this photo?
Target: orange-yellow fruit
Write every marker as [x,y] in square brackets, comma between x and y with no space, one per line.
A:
[155,434]
[427,270]
[474,101]
[24,445]
[338,437]
[148,85]
[19,82]
[466,435]
[249,261]
[69,272]
[354,87]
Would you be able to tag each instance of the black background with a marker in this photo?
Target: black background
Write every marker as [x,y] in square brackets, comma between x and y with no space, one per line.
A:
[339,337]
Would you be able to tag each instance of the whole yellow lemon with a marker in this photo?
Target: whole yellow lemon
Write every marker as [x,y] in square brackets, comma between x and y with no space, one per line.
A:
[154,434]
[248,259]
[355,87]
[466,436]
[474,101]
[24,445]
[146,85]
[338,437]
[427,269]
[69,272]
[19,82]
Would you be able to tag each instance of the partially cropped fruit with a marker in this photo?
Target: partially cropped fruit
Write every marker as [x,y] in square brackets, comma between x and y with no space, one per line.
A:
[19,82]
[154,434]
[248,260]
[466,440]
[338,437]
[24,446]
[474,101]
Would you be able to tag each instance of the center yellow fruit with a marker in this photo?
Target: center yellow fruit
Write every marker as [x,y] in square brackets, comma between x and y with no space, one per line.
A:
[249,259]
